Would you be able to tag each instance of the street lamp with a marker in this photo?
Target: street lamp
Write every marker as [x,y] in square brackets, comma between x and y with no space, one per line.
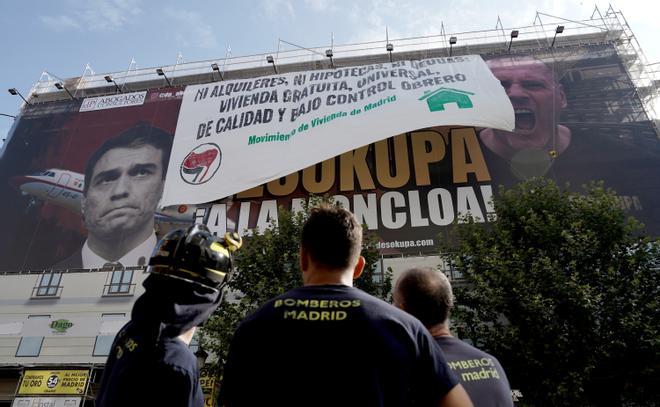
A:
[216,68]
[59,86]
[558,30]
[328,53]
[514,34]
[109,79]
[15,92]
[160,72]
[270,60]
[201,356]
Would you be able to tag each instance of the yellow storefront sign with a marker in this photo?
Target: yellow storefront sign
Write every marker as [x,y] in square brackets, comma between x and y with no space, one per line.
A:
[53,382]
[207,382]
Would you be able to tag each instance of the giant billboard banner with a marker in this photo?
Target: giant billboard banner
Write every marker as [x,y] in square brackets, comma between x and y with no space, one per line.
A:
[83,179]
[72,186]
[289,122]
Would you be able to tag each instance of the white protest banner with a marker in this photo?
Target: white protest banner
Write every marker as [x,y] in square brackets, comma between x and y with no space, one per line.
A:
[234,135]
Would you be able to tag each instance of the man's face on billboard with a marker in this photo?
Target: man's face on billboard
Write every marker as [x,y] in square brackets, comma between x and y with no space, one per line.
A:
[124,191]
[536,98]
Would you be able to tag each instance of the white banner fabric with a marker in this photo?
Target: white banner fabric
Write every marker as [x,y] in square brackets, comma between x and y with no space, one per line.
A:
[234,135]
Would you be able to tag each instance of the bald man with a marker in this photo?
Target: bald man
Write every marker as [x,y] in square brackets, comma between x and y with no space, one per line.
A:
[426,294]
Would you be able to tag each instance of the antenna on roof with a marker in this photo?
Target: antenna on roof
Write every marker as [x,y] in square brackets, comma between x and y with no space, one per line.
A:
[500,26]
[179,60]
[88,71]
[227,56]
[443,33]
[131,65]
[46,74]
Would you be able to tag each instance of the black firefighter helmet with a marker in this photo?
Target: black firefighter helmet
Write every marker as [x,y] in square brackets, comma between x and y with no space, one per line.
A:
[196,255]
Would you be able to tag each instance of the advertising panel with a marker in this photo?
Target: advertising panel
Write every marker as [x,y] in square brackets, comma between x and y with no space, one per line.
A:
[53,382]
[577,119]
[46,402]
[74,326]
[207,382]
[56,218]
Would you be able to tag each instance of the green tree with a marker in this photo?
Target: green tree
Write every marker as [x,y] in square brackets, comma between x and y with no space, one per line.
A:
[267,266]
[564,289]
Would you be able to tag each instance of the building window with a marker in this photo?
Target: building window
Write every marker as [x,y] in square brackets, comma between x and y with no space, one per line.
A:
[103,343]
[31,345]
[120,283]
[48,285]
[450,271]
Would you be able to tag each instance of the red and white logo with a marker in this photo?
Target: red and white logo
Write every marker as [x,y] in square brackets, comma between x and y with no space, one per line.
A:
[201,164]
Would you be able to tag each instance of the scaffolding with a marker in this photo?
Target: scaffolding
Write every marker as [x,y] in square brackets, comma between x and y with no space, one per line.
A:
[541,36]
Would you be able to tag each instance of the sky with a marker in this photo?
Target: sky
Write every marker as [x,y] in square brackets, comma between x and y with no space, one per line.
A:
[63,36]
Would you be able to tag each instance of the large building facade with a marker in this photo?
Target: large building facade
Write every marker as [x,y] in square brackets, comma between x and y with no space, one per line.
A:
[581,90]
[60,324]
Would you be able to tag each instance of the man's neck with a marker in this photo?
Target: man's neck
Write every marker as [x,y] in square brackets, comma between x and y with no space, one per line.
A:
[505,144]
[187,336]
[114,249]
[440,330]
[322,276]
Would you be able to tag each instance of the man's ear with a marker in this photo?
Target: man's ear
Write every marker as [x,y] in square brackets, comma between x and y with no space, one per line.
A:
[304,261]
[359,268]
[161,190]
[562,96]
[83,202]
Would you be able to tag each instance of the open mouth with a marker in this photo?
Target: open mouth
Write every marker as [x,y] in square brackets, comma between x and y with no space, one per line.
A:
[525,119]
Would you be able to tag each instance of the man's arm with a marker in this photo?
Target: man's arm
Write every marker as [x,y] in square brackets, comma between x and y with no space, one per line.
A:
[457,397]
[436,377]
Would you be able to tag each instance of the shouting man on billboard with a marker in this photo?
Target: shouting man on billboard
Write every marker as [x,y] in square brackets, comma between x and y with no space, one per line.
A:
[124,181]
[537,100]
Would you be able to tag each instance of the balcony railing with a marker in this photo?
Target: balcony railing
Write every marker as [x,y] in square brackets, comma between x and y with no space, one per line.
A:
[47,291]
[119,290]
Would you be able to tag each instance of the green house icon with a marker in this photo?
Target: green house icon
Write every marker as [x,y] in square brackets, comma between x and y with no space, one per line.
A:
[437,99]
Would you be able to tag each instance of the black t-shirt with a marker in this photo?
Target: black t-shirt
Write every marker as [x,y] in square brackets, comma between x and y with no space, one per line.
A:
[333,345]
[480,374]
[138,373]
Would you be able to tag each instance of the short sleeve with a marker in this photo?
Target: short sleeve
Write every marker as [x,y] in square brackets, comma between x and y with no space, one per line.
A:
[435,379]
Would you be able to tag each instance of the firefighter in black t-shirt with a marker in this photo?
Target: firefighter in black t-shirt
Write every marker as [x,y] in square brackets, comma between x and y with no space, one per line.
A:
[330,344]
[426,294]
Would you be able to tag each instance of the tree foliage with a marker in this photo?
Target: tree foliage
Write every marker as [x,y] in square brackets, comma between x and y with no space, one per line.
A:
[564,289]
[268,265]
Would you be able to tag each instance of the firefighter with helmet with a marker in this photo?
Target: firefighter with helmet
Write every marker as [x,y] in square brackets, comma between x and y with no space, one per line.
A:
[150,362]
